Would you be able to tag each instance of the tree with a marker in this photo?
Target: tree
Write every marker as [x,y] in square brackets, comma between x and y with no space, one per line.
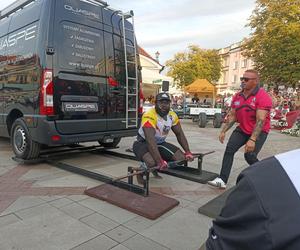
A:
[196,63]
[274,44]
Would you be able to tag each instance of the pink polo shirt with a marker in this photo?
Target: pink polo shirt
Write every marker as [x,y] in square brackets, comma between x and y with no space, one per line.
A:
[245,109]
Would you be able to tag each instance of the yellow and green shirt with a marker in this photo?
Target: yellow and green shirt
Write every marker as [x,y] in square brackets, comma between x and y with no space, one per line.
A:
[151,119]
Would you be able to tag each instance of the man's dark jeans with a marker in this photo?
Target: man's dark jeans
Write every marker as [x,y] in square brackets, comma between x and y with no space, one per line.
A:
[237,139]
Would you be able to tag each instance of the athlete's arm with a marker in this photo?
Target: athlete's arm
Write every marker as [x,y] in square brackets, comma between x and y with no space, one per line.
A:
[260,121]
[230,122]
[181,137]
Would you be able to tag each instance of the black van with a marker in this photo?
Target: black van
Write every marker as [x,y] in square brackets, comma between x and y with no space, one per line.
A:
[69,73]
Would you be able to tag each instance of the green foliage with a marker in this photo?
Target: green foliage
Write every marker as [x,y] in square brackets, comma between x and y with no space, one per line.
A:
[194,64]
[274,44]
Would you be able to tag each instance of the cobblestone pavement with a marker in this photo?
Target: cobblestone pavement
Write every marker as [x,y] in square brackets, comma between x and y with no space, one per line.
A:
[42,207]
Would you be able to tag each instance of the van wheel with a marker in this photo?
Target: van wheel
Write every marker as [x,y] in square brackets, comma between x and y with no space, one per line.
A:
[110,144]
[23,146]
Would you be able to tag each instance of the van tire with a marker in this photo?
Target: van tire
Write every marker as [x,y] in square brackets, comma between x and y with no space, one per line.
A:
[217,122]
[111,144]
[202,120]
[23,146]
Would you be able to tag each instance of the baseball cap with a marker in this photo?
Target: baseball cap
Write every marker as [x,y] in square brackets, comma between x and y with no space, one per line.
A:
[162,96]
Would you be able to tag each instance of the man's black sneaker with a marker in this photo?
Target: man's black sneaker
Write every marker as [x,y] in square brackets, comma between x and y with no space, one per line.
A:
[155,174]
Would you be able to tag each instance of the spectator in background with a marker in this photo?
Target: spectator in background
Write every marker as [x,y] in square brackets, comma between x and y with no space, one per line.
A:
[180,101]
[227,100]
[195,99]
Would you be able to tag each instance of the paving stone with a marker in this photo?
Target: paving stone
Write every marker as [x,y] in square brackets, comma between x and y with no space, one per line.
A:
[77,197]
[181,230]
[101,242]
[99,222]
[139,223]
[76,210]
[120,247]
[67,180]
[61,202]
[49,198]
[41,172]
[115,213]
[43,211]
[120,234]
[138,242]
[23,203]
[8,219]
[55,231]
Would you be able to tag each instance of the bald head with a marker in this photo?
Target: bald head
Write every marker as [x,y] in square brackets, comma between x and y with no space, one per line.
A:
[250,79]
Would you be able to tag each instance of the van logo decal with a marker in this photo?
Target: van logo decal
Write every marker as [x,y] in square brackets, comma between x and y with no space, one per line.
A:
[81,11]
[14,39]
[77,107]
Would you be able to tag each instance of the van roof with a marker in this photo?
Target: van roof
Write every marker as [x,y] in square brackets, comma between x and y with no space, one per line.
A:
[19,4]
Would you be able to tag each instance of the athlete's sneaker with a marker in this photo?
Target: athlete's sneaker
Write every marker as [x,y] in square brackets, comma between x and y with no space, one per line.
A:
[217,182]
[155,174]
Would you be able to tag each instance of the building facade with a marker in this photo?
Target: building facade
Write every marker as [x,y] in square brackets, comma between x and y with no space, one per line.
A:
[234,64]
[152,78]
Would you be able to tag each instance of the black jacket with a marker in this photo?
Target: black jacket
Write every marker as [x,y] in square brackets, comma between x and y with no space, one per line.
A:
[263,211]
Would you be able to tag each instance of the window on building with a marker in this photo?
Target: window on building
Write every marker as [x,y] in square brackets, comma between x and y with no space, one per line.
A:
[225,76]
[244,63]
[236,65]
[234,79]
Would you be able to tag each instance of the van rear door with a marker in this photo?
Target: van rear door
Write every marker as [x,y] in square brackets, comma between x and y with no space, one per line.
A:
[83,89]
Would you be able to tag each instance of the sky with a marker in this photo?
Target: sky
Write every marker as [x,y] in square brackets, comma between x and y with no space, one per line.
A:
[171,26]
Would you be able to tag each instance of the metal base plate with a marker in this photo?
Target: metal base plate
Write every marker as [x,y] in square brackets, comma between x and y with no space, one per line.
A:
[151,207]
[191,174]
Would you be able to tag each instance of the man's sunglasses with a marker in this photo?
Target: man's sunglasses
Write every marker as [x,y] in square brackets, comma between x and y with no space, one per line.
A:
[246,79]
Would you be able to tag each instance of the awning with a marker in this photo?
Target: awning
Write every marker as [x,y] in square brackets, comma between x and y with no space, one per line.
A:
[203,88]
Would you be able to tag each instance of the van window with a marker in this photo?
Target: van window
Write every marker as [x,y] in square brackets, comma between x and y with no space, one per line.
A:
[21,47]
[4,27]
[81,48]
[28,15]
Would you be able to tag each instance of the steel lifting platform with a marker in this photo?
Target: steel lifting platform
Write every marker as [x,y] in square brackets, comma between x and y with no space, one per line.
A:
[181,171]
[52,158]
[127,195]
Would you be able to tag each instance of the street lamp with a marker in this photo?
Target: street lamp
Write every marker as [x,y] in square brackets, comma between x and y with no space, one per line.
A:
[157,54]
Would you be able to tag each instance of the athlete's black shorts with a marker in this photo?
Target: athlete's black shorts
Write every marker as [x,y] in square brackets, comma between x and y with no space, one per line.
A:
[166,150]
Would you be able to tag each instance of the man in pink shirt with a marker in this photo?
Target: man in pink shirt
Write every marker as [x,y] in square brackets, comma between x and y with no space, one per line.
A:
[251,109]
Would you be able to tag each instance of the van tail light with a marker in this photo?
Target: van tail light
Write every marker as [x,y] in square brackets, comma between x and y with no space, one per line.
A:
[141,95]
[112,82]
[46,95]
